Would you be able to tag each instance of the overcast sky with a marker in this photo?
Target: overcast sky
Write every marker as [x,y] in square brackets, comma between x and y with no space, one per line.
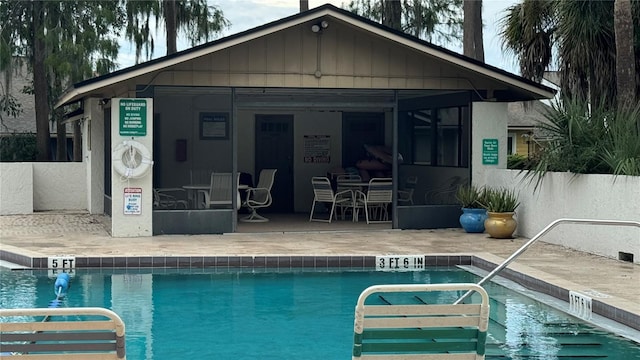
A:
[247,14]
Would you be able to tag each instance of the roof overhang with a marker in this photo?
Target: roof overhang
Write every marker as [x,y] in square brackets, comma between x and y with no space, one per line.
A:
[92,86]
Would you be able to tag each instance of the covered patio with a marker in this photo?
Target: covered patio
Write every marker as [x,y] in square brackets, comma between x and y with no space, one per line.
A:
[302,95]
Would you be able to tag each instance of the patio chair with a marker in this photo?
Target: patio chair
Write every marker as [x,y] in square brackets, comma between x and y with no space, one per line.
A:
[346,185]
[260,196]
[406,195]
[410,328]
[375,201]
[220,191]
[169,198]
[323,193]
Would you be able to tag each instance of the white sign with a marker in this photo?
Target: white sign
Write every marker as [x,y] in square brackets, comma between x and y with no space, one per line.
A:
[132,201]
[317,149]
[61,262]
[400,263]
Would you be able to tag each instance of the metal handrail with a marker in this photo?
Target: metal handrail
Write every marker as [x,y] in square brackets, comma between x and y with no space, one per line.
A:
[539,235]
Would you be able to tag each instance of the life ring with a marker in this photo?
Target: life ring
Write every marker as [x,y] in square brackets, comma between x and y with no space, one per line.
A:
[131,159]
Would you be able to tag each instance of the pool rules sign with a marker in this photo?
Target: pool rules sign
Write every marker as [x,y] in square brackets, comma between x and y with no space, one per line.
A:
[132,201]
[133,117]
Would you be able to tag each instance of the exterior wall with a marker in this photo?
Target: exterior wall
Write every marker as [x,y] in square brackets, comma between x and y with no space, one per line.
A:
[42,186]
[339,57]
[16,188]
[93,155]
[565,195]
[488,121]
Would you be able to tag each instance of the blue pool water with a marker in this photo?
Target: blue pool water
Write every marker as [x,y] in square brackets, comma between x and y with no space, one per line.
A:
[291,315]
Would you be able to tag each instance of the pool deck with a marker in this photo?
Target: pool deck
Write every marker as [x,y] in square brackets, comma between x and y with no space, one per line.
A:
[612,282]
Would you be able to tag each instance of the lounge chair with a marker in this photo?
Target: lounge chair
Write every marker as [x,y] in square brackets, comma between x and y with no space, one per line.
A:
[419,330]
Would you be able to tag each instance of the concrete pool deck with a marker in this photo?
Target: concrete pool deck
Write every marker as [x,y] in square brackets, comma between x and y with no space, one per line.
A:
[609,281]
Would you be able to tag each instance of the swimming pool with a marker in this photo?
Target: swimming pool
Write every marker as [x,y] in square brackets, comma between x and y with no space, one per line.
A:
[171,314]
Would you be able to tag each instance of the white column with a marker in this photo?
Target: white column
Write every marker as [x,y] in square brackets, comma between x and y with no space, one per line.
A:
[489,123]
[132,196]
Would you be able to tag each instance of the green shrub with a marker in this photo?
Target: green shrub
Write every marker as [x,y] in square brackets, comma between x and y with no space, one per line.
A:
[470,197]
[18,147]
[500,200]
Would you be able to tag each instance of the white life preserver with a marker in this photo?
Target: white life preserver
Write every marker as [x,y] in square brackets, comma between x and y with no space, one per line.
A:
[131,159]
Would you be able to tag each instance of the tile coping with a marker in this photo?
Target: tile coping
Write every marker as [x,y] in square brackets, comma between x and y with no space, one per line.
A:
[518,273]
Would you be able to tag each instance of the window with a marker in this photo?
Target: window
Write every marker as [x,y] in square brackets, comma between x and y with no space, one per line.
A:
[439,137]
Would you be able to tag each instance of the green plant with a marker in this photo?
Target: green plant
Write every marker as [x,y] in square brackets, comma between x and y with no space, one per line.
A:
[470,197]
[500,200]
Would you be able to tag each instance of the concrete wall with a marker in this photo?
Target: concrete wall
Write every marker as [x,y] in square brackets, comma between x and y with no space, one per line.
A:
[29,187]
[565,195]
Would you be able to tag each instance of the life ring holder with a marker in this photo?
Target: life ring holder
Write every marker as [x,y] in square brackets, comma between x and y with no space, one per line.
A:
[125,159]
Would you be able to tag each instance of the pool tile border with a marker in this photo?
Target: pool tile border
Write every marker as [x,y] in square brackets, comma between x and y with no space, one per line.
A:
[318,262]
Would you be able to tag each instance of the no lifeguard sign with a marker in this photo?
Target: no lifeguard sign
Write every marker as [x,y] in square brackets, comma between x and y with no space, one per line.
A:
[132,201]
[133,117]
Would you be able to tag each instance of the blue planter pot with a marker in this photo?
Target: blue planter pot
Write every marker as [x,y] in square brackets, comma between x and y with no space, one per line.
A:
[472,220]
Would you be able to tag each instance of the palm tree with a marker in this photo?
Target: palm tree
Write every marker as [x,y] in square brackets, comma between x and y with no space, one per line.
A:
[472,43]
[625,59]
[581,33]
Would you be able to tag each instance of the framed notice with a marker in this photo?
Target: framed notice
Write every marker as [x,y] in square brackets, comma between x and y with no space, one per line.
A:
[214,126]
[317,149]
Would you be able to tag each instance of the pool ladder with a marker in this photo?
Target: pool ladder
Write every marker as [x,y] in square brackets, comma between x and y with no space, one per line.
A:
[548,228]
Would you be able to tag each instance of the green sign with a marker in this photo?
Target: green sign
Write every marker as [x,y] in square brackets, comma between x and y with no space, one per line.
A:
[489,151]
[133,117]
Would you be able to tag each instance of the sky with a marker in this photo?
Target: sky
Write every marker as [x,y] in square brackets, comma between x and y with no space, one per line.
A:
[247,14]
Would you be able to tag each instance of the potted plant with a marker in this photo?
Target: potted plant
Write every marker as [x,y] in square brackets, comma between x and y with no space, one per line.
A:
[501,204]
[473,212]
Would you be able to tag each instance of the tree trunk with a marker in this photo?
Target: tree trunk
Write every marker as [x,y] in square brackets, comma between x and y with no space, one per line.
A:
[472,29]
[304,5]
[625,59]
[40,89]
[392,14]
[170,20]
[61,137]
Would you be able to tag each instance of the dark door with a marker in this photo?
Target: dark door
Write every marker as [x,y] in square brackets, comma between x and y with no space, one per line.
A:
[359,129]
[274,150]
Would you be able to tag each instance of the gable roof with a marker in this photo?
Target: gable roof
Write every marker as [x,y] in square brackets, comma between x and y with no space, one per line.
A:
[84,88]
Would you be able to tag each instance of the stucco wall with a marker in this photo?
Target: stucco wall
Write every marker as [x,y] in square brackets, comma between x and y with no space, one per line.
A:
[16,188]
[565,195]
[28,187]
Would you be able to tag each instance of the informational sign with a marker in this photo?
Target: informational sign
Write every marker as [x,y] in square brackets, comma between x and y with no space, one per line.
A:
[317,149]
[400,263]
[132,201]
[61,263]
[133,117]
[489,151]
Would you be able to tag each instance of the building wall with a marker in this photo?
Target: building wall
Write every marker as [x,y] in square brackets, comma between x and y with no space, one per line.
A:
[16,188]
[565,195]
[488,121]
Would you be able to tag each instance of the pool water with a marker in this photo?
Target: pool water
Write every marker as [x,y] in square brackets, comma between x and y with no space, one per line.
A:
[292,315]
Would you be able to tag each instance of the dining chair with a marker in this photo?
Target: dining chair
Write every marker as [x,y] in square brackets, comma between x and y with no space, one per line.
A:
[220,193]
[169,198]
[375,202]
[323,193]
[345,186]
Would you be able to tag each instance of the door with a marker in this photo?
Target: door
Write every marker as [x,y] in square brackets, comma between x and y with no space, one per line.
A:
[274,150]
[359,129]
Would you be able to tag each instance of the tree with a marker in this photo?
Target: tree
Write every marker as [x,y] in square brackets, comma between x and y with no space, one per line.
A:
[62,42]
[432,20]
[625,59]
[197,21]
[472,42]
[581,33]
